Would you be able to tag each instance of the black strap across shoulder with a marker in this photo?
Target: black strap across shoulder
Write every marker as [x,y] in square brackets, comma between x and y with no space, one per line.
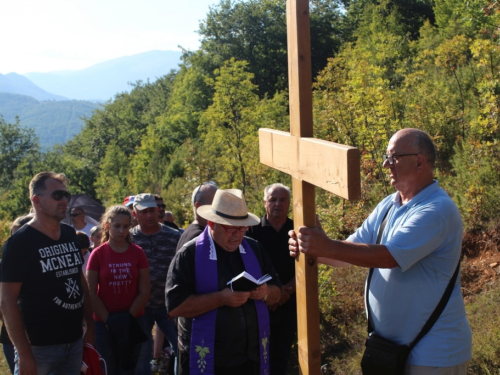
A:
[437,311]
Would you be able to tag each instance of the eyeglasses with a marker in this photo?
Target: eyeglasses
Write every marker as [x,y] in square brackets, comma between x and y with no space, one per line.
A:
[230,229]
[75,215]
[393,158]
[58,195]
[212,183]
[162,205]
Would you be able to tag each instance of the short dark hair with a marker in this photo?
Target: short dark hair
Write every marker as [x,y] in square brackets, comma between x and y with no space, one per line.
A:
[425,146]
[37,184]
[95,229]
[83,240]
[157,197]
[20,221]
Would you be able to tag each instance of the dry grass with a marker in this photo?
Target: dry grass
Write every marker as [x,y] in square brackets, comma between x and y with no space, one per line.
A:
[483,312]
[4,367]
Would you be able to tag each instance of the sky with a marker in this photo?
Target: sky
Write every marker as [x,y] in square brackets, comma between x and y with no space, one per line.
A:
[52,35]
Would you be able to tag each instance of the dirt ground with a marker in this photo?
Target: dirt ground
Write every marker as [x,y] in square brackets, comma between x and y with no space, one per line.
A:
[481,261]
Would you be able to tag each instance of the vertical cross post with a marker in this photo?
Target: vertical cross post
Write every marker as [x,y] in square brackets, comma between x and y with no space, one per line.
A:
[311,162]
[304,213]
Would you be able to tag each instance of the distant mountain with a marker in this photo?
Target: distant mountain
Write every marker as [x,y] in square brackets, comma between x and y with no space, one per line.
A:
[14,83]
[53,121]
[103,81]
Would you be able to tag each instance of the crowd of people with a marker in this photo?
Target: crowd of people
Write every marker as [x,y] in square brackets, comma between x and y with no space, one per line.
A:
[112,285]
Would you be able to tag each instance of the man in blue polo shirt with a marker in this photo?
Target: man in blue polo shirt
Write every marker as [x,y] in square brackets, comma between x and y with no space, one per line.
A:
[414,262]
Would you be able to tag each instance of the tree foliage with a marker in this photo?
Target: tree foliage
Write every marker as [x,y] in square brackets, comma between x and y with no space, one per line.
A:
[19,158]
[255,31]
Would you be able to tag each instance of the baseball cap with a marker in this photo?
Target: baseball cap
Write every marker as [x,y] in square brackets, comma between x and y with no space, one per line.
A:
[128,200]
[145,200]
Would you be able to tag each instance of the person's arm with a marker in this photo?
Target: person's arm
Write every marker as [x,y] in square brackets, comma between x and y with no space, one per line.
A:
[286,291]
[97,305]
[197,304]
[315,242]
[143,289]
[87,311]
[15,327]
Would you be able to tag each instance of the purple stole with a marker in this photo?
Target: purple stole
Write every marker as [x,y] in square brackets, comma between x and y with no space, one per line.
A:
[201,361]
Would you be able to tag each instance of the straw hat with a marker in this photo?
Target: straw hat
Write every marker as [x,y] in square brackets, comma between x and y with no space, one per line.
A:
[228,208]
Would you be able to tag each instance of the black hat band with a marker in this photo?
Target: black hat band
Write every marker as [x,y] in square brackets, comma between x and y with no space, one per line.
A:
[229,216]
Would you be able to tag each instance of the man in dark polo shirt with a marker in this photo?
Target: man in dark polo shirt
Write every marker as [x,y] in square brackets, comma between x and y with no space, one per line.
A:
[272,234]
[230,330]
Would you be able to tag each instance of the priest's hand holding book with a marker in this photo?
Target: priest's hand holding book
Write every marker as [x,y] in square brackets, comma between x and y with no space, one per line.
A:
[260,293]
[233,299]
[246,282]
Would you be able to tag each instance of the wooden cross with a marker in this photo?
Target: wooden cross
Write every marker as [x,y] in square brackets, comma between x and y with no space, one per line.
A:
[310,162]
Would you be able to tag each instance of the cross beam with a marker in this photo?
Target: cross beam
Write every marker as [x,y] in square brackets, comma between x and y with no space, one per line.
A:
[310,162]
[330,166]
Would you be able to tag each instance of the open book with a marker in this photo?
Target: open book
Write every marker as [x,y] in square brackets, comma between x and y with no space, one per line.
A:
[245,282]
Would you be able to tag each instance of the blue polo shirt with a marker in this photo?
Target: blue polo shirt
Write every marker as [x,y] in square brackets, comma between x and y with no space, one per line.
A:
[425,238]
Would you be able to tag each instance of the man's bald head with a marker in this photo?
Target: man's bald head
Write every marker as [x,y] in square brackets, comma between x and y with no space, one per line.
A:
[420,140]
[203,195]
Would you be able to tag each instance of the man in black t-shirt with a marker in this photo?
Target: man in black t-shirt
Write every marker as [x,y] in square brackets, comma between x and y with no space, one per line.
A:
[230,334]
[44,293]
[272,234]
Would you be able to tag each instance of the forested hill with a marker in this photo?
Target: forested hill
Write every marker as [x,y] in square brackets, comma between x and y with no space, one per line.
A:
[377,66]
[53,121]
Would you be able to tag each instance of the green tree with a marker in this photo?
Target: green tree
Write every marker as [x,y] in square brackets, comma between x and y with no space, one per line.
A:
[124,121]
[111,184]
[226,123]
[413,14]
[16,144]
[255,31]
[19,162]
[149,164]
[190,97]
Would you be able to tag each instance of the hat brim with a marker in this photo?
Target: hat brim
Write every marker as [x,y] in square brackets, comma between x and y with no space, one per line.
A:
[143,206]
[207,213]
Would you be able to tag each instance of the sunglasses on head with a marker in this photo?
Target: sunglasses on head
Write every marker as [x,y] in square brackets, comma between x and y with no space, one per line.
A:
[58,195]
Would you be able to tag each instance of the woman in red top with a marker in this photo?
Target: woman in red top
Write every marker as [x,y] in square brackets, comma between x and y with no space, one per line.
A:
[118,277]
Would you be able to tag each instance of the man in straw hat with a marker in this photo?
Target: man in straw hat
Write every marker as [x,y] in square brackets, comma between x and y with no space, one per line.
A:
[222,331]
